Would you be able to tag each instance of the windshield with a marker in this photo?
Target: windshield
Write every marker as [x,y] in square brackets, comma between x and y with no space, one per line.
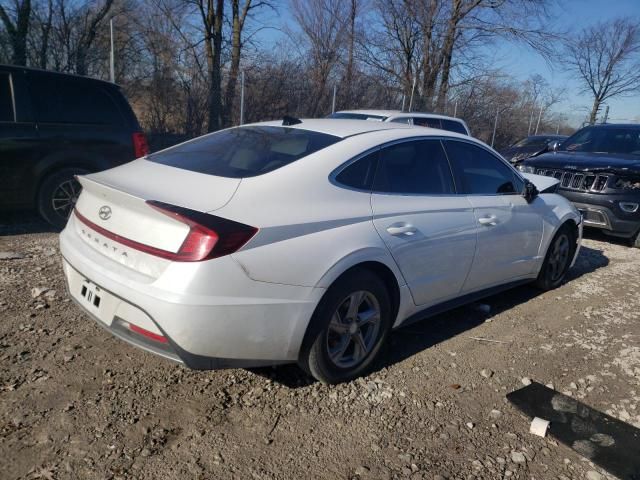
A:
[356,116]
[244,151]
[532,142]
[604,140]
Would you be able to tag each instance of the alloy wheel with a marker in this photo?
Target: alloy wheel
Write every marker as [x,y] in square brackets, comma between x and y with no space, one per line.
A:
[353,329]
[559,257]
[65,196]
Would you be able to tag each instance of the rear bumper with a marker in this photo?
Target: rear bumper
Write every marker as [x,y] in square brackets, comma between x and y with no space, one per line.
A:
[210,313]
[604,212]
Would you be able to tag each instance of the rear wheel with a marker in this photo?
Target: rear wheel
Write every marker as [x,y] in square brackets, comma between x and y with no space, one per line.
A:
[58,195]
[558,259]
[348,328]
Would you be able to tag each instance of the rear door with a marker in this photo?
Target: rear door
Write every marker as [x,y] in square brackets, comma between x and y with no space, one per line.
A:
[428,228]
[509,229]
[18,143]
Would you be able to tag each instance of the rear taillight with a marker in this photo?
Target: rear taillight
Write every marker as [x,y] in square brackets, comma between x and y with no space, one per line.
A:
[140,144]
[209,236]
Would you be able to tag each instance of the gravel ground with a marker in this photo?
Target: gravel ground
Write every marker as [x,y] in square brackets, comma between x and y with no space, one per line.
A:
[76,403]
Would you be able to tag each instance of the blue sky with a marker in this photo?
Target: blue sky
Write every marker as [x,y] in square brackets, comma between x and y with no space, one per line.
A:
[573,14]
[522,62]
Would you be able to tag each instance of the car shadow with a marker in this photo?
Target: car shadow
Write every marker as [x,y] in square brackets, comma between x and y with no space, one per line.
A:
[20,222]
[421,335]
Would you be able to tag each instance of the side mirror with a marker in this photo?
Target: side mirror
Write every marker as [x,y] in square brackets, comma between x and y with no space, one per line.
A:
[530,191]
[553,145]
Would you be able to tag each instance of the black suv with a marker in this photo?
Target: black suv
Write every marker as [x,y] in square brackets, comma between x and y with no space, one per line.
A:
[54,126]
[599,171]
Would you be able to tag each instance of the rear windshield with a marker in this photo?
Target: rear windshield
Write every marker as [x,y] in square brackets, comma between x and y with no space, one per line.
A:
[245,151]
[356,116]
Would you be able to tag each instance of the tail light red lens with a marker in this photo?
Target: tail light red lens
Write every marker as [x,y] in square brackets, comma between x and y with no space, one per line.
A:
[140,144]
[209,236]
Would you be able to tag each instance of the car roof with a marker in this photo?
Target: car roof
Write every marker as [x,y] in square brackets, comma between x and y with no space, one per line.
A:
[344,128]
[378,113]
[339,127]
[17,68]
[615,125]
[401,114]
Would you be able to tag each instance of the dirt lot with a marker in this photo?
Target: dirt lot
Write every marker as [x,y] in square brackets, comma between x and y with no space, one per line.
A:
[76,403]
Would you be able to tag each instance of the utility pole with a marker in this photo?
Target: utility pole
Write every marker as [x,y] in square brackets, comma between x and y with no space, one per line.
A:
[455,109]
[112,55]
[538,124]
[242,97]
[495,126]
[413,87]
[333,104]
[606,114]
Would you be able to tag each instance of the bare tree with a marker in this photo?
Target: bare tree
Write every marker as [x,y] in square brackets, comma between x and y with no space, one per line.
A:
[323,27]
[606,58]
[16,24]
[239,15]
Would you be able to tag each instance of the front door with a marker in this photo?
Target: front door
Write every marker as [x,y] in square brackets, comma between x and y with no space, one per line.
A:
[509,230]
[428,228]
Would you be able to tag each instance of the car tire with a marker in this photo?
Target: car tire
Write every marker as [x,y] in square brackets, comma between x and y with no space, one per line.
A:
[557,261]
[635,240]
[57,195]
[348,328]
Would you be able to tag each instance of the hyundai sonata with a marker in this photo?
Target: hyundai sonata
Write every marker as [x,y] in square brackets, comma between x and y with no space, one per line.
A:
[306,241]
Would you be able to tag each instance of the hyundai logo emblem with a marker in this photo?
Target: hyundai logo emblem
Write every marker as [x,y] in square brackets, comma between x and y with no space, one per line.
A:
[105,212]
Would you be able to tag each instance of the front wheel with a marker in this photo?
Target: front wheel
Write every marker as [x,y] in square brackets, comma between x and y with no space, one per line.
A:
[348,328]
[558,259]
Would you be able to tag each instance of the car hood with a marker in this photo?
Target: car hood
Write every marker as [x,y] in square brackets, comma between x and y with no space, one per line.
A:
[541,182]
[586,161]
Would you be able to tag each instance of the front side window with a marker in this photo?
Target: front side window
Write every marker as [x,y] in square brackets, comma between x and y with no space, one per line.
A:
[244,151]
[6,99]
[69,100]
[480,172]
[415,167]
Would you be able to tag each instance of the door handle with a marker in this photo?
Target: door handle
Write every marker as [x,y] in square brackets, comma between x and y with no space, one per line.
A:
[488,221]
[398,230]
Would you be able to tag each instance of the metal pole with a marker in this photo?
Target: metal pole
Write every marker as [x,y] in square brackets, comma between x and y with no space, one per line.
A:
[558,128]
[495,126]
[455,109]
[412,89]
[403,99]
[538,124]
[242,97]
[606,114]
[333,104]
[112,55]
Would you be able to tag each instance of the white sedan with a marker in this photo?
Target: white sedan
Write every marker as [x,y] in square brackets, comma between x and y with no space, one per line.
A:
[306,241]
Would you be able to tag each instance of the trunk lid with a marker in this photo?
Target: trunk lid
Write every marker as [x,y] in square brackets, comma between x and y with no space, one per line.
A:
[114,202]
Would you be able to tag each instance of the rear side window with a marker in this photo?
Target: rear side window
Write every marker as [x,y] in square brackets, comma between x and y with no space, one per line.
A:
[244,151]
[6,99]
[427,122]
[480,172]
[416,167]
[360,173]
[453,126]
[68,100]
